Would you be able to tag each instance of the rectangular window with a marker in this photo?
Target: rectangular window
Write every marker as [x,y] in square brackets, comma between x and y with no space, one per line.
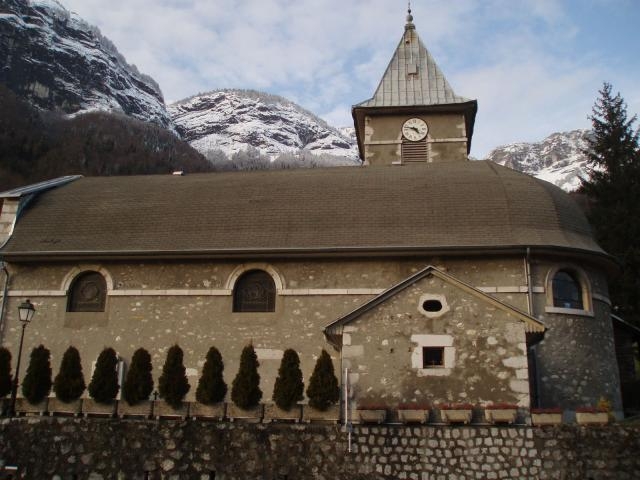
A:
[432,357]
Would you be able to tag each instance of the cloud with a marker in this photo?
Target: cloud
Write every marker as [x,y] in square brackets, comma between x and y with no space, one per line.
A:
[524,61]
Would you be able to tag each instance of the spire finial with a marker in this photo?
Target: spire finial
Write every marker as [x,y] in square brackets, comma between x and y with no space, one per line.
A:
[409,16]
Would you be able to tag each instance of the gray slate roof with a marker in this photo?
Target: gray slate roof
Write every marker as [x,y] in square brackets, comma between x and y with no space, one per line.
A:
[464,205]
[400,87]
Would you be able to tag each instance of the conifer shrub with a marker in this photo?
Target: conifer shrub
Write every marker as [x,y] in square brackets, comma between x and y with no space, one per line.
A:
[69,383]
[37,382]
[173,384]
[323,390]
[289,387]
[5,372]
[211,387]
[138,383]
[104,387]
[245,390]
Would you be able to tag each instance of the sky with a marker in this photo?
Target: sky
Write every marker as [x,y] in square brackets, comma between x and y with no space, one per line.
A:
[535,66]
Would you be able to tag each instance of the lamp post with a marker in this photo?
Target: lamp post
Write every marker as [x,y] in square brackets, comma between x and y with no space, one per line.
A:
[26,310]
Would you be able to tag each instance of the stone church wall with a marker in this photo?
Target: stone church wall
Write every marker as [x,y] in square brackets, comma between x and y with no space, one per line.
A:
[576,361]
[484,349]
[447,139]
[156,304]
[68,448]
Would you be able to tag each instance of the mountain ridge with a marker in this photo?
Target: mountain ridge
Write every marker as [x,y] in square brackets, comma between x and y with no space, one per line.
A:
[60,62]
[231,119]
[559,158]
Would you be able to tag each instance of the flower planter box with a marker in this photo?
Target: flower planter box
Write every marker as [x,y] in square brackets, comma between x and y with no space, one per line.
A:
[142,409]
[162,409]
[456,415]
[540,419]
[371,415]
[199,410]
[92,408]
[252,415]
[592,418]
[331,414]
[503,415]
[273,412]
[23,407]
[58,407]
[406,415]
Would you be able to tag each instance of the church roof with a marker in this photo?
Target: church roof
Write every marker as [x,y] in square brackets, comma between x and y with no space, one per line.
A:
[435,208]
[412,77]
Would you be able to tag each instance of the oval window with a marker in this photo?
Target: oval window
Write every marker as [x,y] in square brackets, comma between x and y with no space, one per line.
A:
[432,305]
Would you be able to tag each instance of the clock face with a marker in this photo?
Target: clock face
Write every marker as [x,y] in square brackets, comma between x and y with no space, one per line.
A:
[415,129]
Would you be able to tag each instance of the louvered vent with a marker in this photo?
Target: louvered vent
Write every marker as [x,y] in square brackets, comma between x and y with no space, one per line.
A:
[414,151]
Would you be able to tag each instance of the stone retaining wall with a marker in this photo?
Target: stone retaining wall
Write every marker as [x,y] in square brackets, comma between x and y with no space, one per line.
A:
[69,448]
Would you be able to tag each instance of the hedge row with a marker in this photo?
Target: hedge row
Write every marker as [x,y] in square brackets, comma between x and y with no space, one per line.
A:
[173,385]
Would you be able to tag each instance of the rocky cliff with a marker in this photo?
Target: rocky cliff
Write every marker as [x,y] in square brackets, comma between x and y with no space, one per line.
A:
[57,61]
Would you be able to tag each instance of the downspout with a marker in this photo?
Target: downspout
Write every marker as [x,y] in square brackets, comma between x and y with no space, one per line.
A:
[532,348]
[527,272]
[4,298]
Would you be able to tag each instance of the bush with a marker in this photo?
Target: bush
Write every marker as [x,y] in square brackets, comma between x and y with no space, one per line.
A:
[288,388]
[211,387]
[37,382]
[69,383]
[323,390]
[173,384]
[138,384]
[245,390]
[104,382]
[6,383]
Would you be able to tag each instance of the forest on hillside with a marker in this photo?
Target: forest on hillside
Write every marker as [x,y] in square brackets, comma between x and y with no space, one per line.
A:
[37,145]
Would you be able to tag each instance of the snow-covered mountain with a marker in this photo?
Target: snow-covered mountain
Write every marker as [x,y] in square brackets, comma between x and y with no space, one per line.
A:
[557,159]
[59,62]
[233,120]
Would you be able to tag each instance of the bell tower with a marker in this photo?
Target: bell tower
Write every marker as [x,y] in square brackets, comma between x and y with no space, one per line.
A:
[414,116]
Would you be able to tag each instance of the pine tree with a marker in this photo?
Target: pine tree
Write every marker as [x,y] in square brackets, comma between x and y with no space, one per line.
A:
[613,188]
[6,382]
[37,382]
[104,387]
[69,383]
[138,383]
[211,387]
[173,384]
[288,388]
[323,390]
[245,390]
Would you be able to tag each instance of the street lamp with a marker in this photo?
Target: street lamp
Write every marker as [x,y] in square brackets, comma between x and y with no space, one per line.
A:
[26,310]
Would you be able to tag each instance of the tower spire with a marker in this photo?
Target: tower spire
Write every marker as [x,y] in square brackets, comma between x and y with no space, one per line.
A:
[409,24]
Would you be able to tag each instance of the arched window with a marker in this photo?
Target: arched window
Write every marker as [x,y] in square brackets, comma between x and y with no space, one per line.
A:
[88,293]
[255,291]
[567,291]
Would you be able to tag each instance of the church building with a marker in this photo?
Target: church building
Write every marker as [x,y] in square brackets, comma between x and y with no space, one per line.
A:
[429,278]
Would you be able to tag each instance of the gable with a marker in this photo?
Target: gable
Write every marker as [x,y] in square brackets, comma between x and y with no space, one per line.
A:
[531,324]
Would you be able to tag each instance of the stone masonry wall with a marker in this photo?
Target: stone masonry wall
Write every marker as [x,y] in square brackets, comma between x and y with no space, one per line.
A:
[157,304]
[68,448]
[484,350]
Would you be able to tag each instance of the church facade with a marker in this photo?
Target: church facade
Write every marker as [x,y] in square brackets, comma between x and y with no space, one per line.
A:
[429,278]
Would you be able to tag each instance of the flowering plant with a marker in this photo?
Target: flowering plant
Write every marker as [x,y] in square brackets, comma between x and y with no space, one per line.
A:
[591,410]
[371,406]
[413,406]
[546,410]
[456,406]
[501,406]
